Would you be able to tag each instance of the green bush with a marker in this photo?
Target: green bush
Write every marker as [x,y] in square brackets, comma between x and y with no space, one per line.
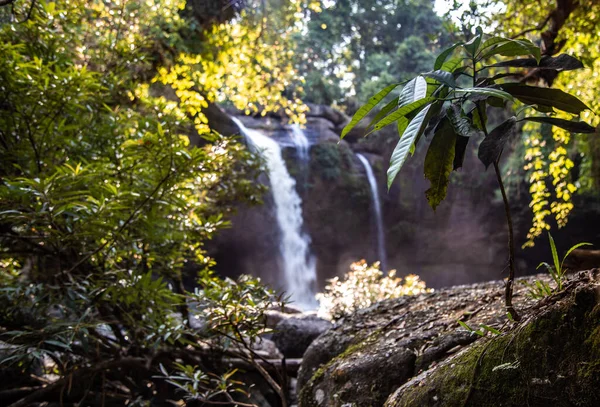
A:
[102,204]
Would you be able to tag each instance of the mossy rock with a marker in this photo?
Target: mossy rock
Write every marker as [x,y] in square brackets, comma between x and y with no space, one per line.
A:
[411,352]
[367,356]
[552,358]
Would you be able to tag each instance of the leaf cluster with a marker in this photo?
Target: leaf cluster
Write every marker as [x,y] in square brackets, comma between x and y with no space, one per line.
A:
[105,209]
[450,103]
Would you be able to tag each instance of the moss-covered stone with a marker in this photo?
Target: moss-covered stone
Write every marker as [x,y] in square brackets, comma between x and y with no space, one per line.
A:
[334,384]
[551,359]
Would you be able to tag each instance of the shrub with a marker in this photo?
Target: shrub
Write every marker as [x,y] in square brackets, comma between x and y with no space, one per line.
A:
[363,286]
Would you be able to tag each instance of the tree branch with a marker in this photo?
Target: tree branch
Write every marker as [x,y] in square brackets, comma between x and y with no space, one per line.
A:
[78,375]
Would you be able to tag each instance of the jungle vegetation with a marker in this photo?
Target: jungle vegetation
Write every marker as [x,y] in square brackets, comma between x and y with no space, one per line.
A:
[113,179]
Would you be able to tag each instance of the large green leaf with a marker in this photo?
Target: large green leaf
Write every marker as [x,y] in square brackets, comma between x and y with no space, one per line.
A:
[439,61]
[452,64]
[534,95]
[554,254]
[490,42]
[384,111]
[443,77]
[439,162]
[569,125]
[364,110]
[562,62]
[514,48]
[414,90]
[402,125]
[577,246]
[472,45]
[403,111]
[414,128]
[487,92]
[491,147]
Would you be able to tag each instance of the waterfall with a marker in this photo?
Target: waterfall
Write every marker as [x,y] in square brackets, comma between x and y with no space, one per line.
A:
[302,146]
[299,264]
[377,211]
[301,143]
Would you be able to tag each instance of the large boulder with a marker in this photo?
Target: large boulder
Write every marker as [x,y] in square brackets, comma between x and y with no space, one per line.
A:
[293,335]
[552,358]
[369,355]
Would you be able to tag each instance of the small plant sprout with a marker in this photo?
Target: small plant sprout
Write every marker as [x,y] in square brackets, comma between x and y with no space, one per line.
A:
[558,270]
[482,331]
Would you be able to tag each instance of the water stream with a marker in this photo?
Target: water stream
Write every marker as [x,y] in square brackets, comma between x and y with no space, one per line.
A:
[381,252]
[301,143]
[298,262]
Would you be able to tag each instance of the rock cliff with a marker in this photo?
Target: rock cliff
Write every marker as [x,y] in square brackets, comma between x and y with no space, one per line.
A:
[464,241]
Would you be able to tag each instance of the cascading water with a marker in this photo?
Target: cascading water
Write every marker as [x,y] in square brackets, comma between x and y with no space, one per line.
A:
[300,142]
[299,264]
[302,146]
[376,210]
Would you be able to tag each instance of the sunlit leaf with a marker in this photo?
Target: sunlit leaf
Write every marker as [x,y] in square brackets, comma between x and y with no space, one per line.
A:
[414,90]
[441,59]
[414,128]
[486,92]
[514,48]
[442,77]
[384,111]
[473,45]
[364,110]
[401,112]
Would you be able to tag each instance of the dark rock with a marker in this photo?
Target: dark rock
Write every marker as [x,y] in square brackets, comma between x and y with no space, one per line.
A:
[367,356]
[293,335]
[268,124]
[286,308]
[333,115]
[319,130]
[274,317]
[549,359]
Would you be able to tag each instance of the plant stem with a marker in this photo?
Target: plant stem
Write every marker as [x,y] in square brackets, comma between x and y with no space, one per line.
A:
[508,293]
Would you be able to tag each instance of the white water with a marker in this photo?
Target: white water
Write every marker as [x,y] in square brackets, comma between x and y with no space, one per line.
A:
[299,264]
[300,142]
[377,211]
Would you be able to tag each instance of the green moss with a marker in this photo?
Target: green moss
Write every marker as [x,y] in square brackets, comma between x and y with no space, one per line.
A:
[306,394]
[554,360]
[326,161]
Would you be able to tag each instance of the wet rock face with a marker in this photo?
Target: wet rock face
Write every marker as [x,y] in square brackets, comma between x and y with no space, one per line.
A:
[366,357]
[337,211]
[463,241]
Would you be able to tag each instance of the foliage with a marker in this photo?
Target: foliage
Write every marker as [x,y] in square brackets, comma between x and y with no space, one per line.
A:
[363,286]
[450,103]
[538,289]
[557,270]
[483,329]
[104,203]
[349,49]
[558,162]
